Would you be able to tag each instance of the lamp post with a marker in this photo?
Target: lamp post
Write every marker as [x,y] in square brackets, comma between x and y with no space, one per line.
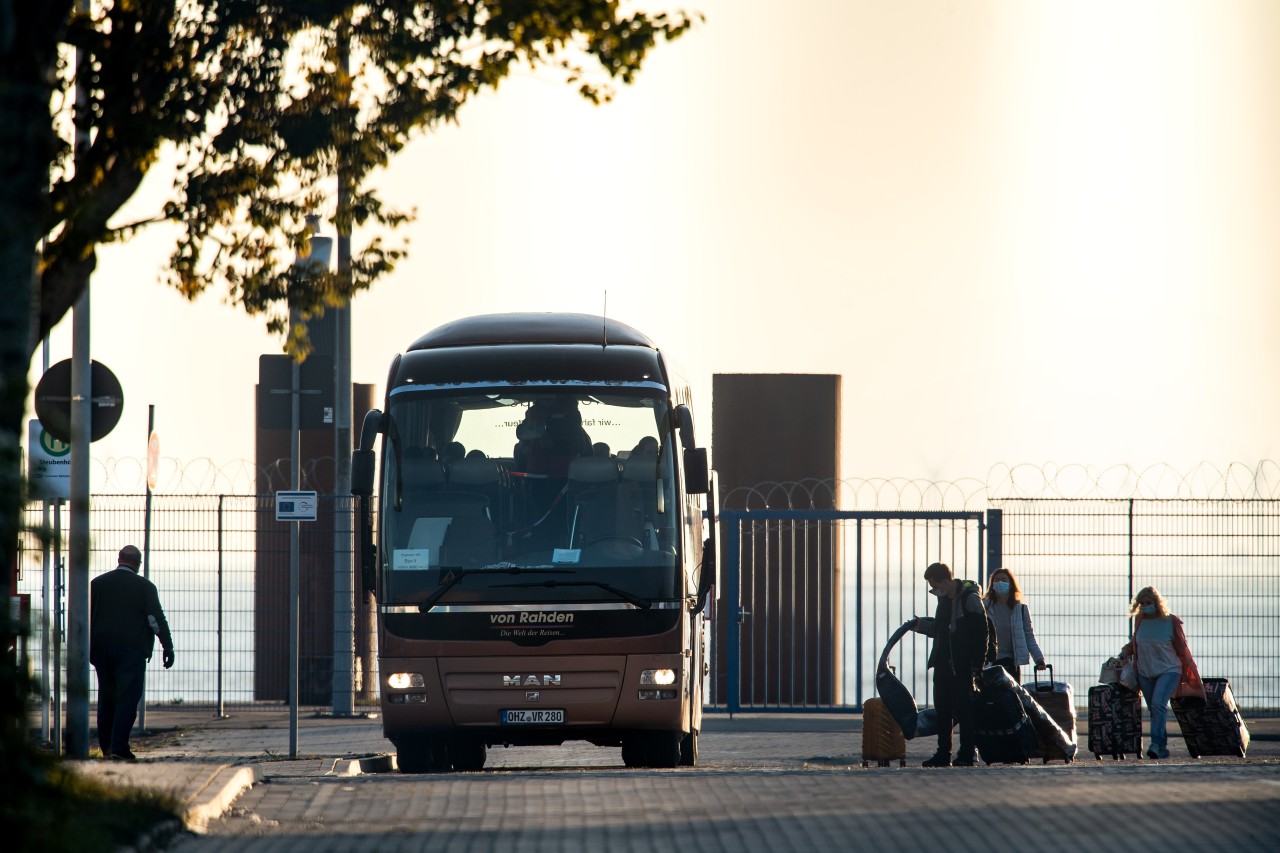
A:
[315,259]
[77,621]
[344,634]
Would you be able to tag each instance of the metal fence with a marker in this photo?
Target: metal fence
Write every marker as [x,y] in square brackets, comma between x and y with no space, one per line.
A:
[1216,562]
[851,578]
[802,622]
[222,567]
[810,595]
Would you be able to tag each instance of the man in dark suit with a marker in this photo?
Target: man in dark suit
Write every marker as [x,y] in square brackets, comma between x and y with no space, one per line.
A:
[125,618]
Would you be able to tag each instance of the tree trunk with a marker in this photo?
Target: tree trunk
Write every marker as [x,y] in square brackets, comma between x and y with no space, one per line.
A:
[28,48]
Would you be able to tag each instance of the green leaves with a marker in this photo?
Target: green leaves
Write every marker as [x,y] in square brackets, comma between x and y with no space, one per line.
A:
[268,102]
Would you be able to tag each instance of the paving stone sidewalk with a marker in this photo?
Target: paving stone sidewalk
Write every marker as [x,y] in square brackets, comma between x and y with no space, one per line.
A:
[761,767]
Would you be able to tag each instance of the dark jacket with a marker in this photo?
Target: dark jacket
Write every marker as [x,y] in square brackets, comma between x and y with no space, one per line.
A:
[960,632]
[124,611]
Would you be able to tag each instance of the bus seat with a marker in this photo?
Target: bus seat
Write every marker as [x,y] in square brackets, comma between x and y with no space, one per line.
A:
[474,471]
[482,476]
[470,541]
[640,468]
[420,472]
[593,469]
[592,499]
[638,496]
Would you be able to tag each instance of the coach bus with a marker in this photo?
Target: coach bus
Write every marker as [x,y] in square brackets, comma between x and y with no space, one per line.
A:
[545,543]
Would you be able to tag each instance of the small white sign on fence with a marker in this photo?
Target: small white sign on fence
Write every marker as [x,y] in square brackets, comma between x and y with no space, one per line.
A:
[295,506]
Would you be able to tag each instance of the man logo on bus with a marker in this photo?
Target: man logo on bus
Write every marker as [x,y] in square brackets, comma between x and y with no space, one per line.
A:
[531,680]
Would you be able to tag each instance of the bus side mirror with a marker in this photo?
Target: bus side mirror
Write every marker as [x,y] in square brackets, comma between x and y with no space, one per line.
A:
[709,579]
[684,423]
[697,473]
[363,463]
[362,469]
[706,580]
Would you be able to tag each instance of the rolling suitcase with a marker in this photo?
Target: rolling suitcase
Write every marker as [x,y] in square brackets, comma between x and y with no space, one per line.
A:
[1115,721]
[1003,732]
[882,738]
[1056,698]
[1212,727]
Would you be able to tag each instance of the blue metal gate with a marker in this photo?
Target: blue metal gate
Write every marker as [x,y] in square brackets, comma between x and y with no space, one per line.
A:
[810,596]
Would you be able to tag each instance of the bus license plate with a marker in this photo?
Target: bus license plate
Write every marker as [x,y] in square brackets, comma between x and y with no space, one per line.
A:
[533,717]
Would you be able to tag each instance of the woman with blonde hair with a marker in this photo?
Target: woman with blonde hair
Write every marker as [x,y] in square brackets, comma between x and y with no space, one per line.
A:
[1015,636]
[1163,662]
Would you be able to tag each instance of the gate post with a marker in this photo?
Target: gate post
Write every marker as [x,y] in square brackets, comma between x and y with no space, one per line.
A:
[733,607]
[1129,550]
[995,544]
[858,619]
[220,711]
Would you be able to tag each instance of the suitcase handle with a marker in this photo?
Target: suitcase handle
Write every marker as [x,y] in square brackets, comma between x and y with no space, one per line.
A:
[1035,684]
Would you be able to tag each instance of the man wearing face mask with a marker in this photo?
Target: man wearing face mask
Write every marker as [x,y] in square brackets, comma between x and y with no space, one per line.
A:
[959,629]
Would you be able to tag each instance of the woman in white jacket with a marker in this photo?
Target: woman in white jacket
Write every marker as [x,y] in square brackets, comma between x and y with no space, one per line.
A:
[1015,637]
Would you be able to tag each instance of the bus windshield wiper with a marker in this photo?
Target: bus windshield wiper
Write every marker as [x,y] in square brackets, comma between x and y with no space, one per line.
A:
[630,598]
[449,581]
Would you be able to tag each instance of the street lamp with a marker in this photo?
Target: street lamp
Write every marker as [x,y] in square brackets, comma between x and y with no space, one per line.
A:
[313,262]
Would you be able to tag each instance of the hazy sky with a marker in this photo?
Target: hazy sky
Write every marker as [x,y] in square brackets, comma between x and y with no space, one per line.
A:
[1022,232]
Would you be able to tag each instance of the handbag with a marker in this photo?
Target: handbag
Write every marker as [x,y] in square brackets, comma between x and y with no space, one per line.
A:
[1191,689]
[1129,675]
[1111,671]
[1189,692]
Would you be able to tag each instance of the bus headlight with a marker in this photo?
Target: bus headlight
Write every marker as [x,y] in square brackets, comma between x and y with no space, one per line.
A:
[404,680]
[658,676]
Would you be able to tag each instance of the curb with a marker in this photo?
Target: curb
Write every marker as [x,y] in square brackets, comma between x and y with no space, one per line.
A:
[218,793]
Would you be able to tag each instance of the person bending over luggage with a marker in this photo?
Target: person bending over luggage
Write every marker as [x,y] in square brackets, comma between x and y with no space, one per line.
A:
[959,632]
[1015,637]
[1163,662]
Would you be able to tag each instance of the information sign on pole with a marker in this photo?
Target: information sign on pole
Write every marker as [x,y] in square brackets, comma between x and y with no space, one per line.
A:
[296,506]
[48,465]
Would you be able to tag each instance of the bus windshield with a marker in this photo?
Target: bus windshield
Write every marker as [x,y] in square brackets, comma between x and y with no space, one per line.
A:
[528,494]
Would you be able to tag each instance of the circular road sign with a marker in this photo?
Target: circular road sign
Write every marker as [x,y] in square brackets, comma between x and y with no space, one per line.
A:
[53,401]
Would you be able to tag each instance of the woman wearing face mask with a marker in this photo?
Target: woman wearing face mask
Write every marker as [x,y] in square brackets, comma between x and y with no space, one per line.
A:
[1015,637]
[1163,662]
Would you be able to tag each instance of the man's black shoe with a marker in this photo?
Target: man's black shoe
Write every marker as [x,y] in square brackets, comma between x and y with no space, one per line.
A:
[940,759]
[127,755]
[964,759]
